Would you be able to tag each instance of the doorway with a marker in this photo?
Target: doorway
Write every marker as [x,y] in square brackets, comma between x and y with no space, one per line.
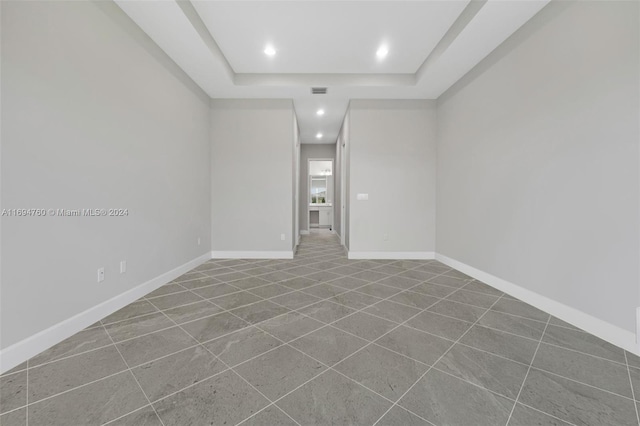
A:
[320,192]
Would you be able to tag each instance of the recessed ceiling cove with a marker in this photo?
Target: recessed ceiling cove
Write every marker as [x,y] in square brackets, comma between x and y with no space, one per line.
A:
[327,36]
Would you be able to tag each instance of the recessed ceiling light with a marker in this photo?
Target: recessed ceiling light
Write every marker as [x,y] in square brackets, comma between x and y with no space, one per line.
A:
[382,52]
[319,136]
[320,112]
[269,50]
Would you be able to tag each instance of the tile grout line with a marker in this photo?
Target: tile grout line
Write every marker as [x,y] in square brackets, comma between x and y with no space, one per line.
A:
[547,414]
[132,375]
[633,394]
[528,370]
[435,362]
[223,363]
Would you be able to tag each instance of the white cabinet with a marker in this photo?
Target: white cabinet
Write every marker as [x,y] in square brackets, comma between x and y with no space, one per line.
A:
[325,216]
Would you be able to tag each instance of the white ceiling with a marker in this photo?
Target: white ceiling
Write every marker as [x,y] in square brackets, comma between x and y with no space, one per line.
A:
[431,43]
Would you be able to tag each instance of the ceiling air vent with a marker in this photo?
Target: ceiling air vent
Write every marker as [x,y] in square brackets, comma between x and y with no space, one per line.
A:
[318,90]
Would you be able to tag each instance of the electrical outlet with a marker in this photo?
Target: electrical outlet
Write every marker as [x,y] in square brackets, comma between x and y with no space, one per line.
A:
[282,237]
[100,275]
[123,266]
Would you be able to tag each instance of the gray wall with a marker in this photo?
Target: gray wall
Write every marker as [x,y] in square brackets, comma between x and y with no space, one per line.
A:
[337,174]
[94,115]
[538,160]
[310,151]
[252,185]
[392,158]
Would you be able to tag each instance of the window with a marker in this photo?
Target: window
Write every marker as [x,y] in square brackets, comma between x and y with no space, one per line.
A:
[318,191]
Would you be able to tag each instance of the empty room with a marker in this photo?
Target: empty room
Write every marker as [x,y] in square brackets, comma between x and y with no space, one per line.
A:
[305,212]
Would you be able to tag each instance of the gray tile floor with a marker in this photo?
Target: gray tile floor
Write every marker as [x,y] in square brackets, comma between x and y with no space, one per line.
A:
[322,340]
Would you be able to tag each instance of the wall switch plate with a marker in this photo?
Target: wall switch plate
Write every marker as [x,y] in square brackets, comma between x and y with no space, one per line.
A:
[282,237]
[100,275]
[123,266]
[362,197]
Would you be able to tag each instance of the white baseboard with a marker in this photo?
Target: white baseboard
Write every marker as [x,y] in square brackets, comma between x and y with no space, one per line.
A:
[252,254]
[391,255]
[25,349]
[304,232]
[602,329]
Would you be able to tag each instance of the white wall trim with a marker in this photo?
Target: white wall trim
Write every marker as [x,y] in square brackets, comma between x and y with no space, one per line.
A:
[27,348]
[252,254]
[304,232]
[602,329]
[392,255]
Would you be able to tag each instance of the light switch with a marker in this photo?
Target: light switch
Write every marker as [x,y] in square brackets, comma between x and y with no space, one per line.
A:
[362,197]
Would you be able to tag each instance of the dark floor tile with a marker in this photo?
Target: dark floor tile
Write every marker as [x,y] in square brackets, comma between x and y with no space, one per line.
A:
[82,341]
[383,371]
[525,416]
[458,310]
[289,326]
[558,322]
[250,283]
[231,277]
[192,312]
[502,344]
[471,298]
[483,369]
[258,270]
[398,281]
[435,290]
[138,326]
[224,399]
[260,311]
[19,367]
[355,300]
[288,369]
[323,276]
[457,274]
[212,327]
[298,283]
[575,402]
[190,276]
[322,402]
[328,345]
[378,290]
[417,300]
[145,416]
[59,376]
[365,326]
[346,270]
[398,416]
[93,404]
[165,289]
[295,300]
[389,269]
[449,281]
[200,282]
[174,300]
[270,416]
[445,400]
[349,283]
[135,309]
[634,373]
[449,328]
[155,345]
[326,311]
[13,391]
[587,369]
[392,311]
[583,342]
[324,291]
[236,300]
[480,287]
[633,360]
[242,345]
[277,276]
[521,309]
[415,344]
[417,275]
[172,373]
[215,290]
[301,271]
[271,290]
[511,324]
[14,418]
[370,276]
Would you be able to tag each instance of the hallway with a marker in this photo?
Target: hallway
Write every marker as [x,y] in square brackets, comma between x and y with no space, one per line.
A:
[322,340]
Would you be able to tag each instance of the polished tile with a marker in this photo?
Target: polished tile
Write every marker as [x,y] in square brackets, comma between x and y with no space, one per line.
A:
[224,399]
[138,326]
[242,345]
[417,300]
[209,328]
[415,344]
[458,310]
[365,326]
[497,374]
[289,326]
[574,402]
[326,311]
[471,298]
[633,360]
[117,395]
[435,290]
[521,309]
[449,281]
[277,276]
[583,342]
[249,283]
[445,400]
[449,328]
[323,276]
[355,300]
[525,416]
[59,376]
[14,418]
[260,311]
[322,402]
[480,287]
[145,416]
[634,373]
[166,289]
[379,290]
[392,311]
[349,283]
[324,291]
[215,290]
[398,416]
[295,300]
[270,416]
[199,282]
[399,282]
[172,373]
[383,371]
[510,346]
[369,276]
[82,341]
[13,391]
[135,309]
[155,345]
[512,324]
[288,369]
[298,283]
[235,300]
[417,275]
[192,312]
[271,290]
